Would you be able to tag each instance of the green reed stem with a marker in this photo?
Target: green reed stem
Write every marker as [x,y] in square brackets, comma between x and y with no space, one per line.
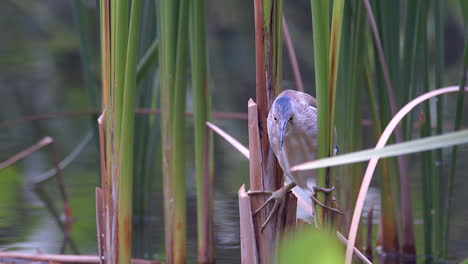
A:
[167,50]
[202,108]
[126,140]
[178,138]
[149,59]
[453,159]
[438,174]
[321,35]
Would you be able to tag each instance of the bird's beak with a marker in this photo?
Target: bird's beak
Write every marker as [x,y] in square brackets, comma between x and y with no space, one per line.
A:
[282,132]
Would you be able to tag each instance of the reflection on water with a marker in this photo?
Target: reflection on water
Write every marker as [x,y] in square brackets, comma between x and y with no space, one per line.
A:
[48,79]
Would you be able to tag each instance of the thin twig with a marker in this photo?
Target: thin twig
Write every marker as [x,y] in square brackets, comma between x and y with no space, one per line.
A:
[292,57]
[42,178]
[140,111]
[42,143]
[147,111]
[66,205]
[55,258]
[356,251]
[236,144]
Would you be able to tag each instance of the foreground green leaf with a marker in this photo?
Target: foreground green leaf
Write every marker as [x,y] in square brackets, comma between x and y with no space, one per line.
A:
[310,246]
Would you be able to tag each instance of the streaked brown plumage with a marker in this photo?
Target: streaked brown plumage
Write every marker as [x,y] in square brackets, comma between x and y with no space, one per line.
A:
[292,132]
[295,113]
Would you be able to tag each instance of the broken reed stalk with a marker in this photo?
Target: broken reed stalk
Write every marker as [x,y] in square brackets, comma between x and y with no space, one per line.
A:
[249,254]
[100,224]
[101,195]
[106,130]
[264,240]
[290,209]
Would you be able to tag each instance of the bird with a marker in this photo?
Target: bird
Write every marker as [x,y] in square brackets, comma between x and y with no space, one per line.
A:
[293,136]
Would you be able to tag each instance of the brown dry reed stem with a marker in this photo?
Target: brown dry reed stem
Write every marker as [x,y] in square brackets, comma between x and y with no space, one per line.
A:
[53,258]
[24,153]
[264,248]
[100,224]
[105,51]
[267,175]
[249,254]
[292,56]
[243,150]
[61,186]
[139,111]
[101,197]
[408,245]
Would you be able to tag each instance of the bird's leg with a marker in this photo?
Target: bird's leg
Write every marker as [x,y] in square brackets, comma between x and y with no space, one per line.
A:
[277,196]
[327,191]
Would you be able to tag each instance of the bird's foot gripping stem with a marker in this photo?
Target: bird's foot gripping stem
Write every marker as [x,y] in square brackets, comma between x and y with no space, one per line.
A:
[327,191]
[277,197]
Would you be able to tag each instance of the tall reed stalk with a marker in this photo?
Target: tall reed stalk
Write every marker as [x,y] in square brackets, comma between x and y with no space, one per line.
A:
[127,132]
[203,139]
[119,107]
[173,32]
[437,181]
[453,161]
[326,60]
[348,104]
[268,59]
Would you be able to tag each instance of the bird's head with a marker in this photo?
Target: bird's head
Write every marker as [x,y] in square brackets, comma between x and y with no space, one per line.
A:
[283,117]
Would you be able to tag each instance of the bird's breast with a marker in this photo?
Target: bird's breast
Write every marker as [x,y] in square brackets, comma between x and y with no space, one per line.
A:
[298,149]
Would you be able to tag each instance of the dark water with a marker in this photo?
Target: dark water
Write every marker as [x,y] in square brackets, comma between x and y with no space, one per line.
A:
[40,73]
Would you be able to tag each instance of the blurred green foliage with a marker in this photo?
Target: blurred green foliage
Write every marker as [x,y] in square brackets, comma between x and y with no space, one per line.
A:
[310,246]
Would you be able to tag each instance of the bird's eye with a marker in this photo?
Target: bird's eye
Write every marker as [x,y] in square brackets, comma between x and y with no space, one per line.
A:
[291,118]
[276,119]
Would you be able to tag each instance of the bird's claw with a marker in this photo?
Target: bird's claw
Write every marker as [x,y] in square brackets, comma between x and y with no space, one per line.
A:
[276,196]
